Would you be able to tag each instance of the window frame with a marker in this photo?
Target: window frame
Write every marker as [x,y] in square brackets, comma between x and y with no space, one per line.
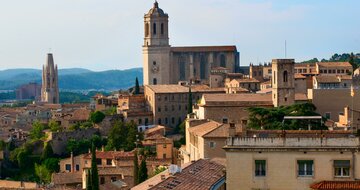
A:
[306,170]
[263,170]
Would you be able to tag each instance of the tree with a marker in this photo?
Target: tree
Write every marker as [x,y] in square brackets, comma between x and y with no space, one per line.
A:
[52,164]
[43,173]
[47,152]
[36,131]
[54,126]
[159,169]
[137,87]
[88,180]
[142,174]
[94,170]
[190,102]
[136,168]
[97,117]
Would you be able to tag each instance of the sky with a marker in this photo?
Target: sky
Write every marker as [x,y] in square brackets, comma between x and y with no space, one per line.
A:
[108,34]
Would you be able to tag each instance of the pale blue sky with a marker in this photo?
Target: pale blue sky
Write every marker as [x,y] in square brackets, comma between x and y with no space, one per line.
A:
[108,34]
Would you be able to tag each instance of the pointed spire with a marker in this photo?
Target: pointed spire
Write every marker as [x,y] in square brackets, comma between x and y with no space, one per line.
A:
[156,4]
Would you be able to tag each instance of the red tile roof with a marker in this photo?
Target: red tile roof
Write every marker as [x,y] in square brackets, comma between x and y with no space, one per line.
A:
[336,185]
[109,154]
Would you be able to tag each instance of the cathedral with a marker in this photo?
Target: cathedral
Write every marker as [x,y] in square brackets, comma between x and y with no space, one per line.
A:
[50,88]
[164,64]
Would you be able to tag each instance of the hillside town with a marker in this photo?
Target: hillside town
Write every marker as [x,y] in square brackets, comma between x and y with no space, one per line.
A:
[198,121]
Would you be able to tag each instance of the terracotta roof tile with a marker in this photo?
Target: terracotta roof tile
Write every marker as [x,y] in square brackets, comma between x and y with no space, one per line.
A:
[334,64]
[204,128]
[336,185]
[67,178]
[222,131]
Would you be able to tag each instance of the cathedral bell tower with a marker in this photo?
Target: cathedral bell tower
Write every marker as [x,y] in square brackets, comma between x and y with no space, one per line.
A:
[156,48]
[283,82]
[50,88]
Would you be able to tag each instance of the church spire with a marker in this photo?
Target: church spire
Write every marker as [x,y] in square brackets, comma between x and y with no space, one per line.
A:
[156,4]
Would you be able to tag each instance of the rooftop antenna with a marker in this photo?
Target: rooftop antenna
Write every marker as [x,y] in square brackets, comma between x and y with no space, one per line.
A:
[285,49]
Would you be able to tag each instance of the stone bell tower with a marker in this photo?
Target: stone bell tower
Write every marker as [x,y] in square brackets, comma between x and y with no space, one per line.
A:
[50,88]
[156,48]
[283,83]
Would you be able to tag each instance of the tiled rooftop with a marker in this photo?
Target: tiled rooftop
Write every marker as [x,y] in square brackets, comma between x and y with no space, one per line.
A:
[336,185]
[203,48]
[204,128]
[334,64]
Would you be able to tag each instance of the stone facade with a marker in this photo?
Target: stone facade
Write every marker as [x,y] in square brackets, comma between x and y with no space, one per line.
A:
[283,161]
[163,64]
[283,82]
[50,87]
[29,91]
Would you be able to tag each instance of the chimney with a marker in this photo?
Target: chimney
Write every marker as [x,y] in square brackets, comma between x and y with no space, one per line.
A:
[232,129]
[72,162]
[103,149]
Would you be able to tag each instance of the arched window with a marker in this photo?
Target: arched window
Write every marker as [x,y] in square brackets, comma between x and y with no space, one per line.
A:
[154,62]
[182,68]
[154,81]
[222,61]
[147,29]
[154,28]
[162,28]
[285,76]
[202,67]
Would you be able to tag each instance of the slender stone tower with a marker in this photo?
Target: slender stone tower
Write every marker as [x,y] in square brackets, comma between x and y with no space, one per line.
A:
[50,88]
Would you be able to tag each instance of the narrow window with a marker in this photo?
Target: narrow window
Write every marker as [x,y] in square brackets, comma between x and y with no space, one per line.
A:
[285,76]
[108,162]
[155,81]
[260,168]
[162,28]
[159,121]
[154,28]
[68,167]
[222,61]
[147,29]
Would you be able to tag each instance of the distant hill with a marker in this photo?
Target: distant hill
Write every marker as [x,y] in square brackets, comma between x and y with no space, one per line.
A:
[353,59]
[74,79]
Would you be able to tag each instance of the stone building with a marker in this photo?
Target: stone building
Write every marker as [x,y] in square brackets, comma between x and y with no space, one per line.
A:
[283,82]
[290,162]
[169,103]
[50,87]
[163,64]
[29,91]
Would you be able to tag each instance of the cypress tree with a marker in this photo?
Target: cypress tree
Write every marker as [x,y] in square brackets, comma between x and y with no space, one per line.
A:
[88,181]
[47,152]
[142,175]
[136,168]
[190,102]
[94,170]
[137,87]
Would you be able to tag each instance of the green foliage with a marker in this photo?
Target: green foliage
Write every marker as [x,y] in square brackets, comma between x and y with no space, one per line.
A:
[123,136]
[97,117]
[47,152]
[142,175]
[159,169]
[2,145]
[21,156]
[314,60]
[43,173]
[181,130]
[54,126]
[52,164]
[271,118]
[190,110]
[137,86]
[110,111]
[94,170]
[84,145]
[36,132]
[136,168]
[88,180]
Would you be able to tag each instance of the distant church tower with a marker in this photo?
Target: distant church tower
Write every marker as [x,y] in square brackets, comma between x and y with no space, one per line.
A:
[156,48]
[50,88]
[283,87]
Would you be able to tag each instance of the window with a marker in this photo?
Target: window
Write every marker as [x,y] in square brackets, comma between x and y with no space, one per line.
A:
[173,120]
[260,167]
[77,167]
[274,77]
[146,29]
[140,121]
[108,162]
[154,28]
[212,144]
[166,120]
[155,81]
[342,168]
[113,179]
[285,76]
[305,167]
[68,167]
[222,61]
[146,121]
[102,180]
[162,28]
[98,161]
[164,145]
[172,107]
[159,121]
[166,109]
[325,71]
[164,156]
[225,120]
[154,62]
[179,107]
[159,109]
[327,115]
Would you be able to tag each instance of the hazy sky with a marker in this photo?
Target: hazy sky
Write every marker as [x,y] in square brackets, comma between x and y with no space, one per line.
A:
[108,34]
